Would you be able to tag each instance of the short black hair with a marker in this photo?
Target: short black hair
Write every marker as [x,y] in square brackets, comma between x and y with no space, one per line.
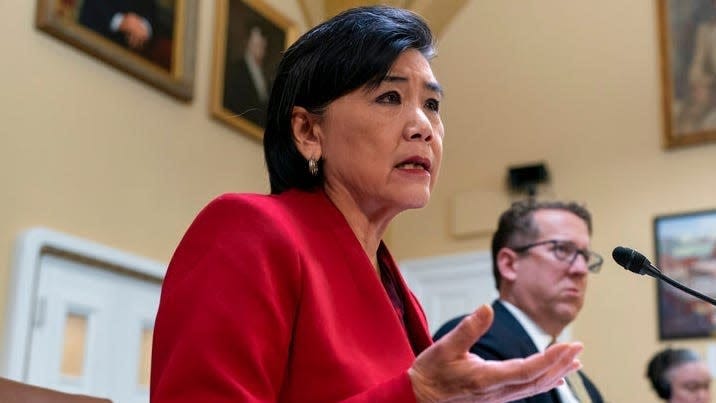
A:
[664,361]
[353,49]
[516,226]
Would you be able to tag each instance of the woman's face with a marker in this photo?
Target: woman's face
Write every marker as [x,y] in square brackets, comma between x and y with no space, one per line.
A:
[382,147]
[690,383]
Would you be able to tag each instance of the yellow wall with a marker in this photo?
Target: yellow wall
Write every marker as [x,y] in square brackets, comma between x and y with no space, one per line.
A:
[576,84]
[90,151]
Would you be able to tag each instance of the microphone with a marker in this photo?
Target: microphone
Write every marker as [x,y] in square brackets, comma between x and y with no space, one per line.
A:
[633,261]
[636,262]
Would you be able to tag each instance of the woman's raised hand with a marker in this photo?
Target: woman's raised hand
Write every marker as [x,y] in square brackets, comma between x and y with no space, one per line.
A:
[448,372]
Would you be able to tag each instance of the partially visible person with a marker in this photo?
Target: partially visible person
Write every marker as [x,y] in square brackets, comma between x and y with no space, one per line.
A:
[679,376]
[541,262]
[293,296]
[246,88]
[126,22]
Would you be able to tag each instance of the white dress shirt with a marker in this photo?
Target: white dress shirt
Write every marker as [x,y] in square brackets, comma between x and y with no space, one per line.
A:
[541,340]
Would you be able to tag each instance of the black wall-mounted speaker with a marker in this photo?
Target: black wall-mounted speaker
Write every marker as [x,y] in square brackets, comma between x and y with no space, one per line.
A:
[527,177]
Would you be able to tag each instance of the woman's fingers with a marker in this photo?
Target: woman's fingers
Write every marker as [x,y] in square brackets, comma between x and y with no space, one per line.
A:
[535,374]
[500,381]
[467,332]
[446,371]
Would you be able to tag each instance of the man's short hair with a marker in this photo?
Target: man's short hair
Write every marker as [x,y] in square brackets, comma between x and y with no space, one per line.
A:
[516,226]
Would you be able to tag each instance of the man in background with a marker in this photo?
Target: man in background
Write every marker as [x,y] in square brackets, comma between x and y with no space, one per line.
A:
[246,88]
[541,261]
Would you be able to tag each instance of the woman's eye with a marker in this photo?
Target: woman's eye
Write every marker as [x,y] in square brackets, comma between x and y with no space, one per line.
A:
[433,105]
[389,98]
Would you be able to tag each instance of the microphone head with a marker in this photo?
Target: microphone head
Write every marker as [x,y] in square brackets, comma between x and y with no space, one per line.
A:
[630,259]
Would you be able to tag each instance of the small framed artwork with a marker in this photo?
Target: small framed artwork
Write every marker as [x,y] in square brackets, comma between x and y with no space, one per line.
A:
[686,252]
[153,40]
[249,40]
[688,59]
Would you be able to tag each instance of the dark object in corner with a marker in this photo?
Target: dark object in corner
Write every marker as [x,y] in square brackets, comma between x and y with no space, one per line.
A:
[525,178]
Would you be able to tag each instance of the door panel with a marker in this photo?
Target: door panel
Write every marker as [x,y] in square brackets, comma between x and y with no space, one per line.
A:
[92,329]
[448,286]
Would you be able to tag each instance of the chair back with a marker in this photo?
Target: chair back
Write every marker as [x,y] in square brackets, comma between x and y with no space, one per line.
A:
[18,392]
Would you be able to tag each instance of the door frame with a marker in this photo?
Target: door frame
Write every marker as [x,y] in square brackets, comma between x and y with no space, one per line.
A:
[30,247]
[474,268]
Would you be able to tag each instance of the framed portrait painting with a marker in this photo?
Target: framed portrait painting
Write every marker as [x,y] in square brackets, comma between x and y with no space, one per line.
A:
[153,40]
[686,252]
[688,58]
[249,40]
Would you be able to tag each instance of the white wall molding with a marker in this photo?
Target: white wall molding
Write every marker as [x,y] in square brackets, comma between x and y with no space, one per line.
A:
[31,245]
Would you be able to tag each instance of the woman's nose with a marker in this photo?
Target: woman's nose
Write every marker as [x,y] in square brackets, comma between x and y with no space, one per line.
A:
[419,126]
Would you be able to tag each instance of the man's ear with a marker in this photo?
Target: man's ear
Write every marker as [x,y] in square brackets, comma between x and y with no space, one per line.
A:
[306,133]
[507,263]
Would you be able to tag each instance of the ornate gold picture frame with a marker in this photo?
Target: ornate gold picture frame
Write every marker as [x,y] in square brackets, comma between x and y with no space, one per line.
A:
[685,246]
[153,40]
[249,40]
[688,59]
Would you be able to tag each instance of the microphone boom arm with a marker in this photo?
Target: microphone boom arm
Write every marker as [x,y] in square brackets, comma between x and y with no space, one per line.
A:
[656,273]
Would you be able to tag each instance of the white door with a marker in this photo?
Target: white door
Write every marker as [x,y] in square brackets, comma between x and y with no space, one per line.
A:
[92,332]
[81,317]
[448,286]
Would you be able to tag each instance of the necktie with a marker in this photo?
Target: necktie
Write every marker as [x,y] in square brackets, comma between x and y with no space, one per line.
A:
[577,386]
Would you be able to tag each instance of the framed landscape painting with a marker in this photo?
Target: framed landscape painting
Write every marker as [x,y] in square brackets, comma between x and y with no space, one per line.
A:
[686,252]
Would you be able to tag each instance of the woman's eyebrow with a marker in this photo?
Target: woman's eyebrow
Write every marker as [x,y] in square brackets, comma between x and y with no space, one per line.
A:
[429,85]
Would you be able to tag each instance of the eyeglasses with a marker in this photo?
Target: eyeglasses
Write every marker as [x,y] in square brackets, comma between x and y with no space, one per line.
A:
[567,251]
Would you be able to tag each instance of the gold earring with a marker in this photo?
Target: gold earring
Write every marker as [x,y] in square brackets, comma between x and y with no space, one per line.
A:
[313,167]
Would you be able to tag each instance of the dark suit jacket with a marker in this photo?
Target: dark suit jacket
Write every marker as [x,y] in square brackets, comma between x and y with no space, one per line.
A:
[507,339]
[97,14]
[241,95]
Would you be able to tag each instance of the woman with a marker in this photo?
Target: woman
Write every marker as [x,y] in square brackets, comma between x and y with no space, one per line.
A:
[293,297]
[680,376]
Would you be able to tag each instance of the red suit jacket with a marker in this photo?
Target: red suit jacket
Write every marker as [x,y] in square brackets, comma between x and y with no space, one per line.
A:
[272,299]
